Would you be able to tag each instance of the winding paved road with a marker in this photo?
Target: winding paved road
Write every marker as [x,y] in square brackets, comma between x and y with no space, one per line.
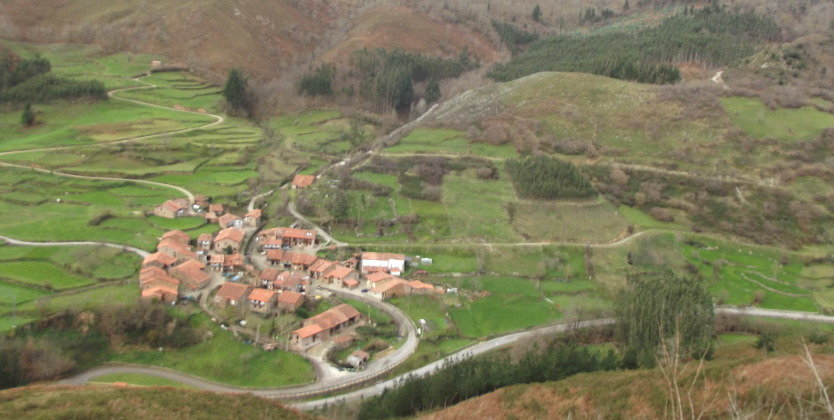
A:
[137,251]
[313,390]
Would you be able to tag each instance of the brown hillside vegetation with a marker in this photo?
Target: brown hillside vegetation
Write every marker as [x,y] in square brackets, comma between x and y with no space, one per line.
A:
[389,26]
[780,384]
[261,36]
[107,402]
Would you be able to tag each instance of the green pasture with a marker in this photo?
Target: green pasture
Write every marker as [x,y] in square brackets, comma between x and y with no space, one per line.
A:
[579,222]
[223,358]
[447,142]
[89,123]
[757,120]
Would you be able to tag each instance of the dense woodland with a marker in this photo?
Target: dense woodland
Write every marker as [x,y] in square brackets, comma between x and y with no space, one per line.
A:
[472,377]
[664,307]
[711,36]
[30,81]
[548,178]
[388,76]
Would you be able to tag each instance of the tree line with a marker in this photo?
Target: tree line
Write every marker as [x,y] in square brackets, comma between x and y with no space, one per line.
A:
[515,39]
[548,178]
[459,381]
[710,35]
[25,81]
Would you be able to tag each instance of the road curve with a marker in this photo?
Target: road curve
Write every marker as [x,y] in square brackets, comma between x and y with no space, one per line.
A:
[374,369]
[312,390]
[320,231]
[17,242]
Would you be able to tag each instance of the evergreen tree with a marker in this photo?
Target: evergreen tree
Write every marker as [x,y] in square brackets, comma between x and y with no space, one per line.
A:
[432,91]
[537,13]
[660,306]
[236,92]
[28,117]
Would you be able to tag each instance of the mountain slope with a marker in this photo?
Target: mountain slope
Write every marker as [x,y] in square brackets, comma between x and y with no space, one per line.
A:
[135,402]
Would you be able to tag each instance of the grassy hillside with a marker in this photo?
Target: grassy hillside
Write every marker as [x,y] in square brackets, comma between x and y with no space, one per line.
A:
[136,402]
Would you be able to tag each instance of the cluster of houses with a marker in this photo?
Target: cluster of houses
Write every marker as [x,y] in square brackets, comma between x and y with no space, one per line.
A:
[175,267]
[180,266]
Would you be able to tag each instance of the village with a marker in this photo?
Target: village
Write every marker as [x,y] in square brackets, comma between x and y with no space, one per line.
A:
[245,270]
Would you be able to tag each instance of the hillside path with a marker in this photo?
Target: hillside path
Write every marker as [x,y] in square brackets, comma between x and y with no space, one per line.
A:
[218,119]
[18,242]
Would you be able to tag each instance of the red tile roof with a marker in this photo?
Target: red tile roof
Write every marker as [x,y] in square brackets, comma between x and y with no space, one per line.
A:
[262,295]
[291,257]
[233,291]
[302,181]
[216,208]
[340,272]
[382,256]
[321,266]
[204,237]
[176,205]
[226,219]
[191,272]
[389,284]
[177,235]
[291,298]
[334,316]
[159,257]
[270,274]
[160,292]
[233,234]
[255,214]
[379,276]
[308,331]
[417,284]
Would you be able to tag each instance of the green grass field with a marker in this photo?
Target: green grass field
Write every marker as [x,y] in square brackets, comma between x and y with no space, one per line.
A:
[225,359]
[447,142]
[752,116]
[595,222]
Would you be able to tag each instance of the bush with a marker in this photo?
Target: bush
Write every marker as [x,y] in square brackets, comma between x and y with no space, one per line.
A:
[548,178]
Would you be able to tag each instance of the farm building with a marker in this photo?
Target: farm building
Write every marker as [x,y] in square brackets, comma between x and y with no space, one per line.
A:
[229,220]
[290,301]
[192,274]
[343,276]
[288,236]
[323,325]
[172,208]
[232,294]
[229,238]
[262,301]
[161,293]
[293,260]
[159,259]
[383,261]
[252,218]
[204,241]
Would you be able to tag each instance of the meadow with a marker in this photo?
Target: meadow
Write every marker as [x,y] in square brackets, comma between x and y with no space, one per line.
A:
[225,359]
[791,125]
